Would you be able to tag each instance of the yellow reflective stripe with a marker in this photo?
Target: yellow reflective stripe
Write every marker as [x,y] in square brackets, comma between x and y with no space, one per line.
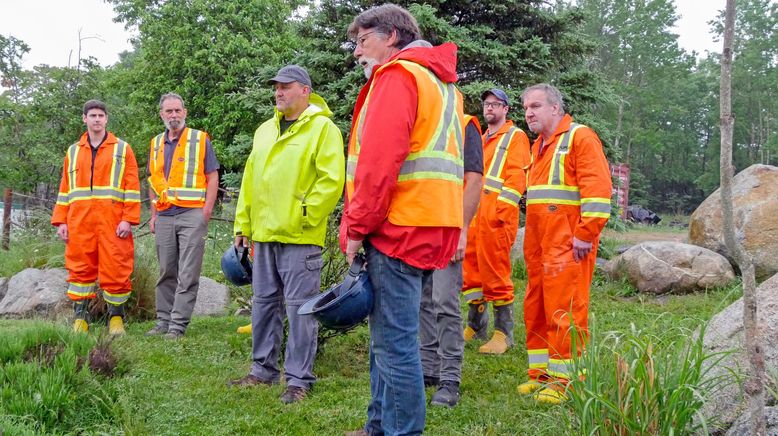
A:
[429,175]
[556,174]
[117,169]
[501,154]
[81,289]
[116,299]
[72,165]
[498,303]
[596,214]
[191,157]
[159,142]
[509,195]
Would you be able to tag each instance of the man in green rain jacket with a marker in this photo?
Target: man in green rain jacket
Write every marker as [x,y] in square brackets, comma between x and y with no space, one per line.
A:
[292,181]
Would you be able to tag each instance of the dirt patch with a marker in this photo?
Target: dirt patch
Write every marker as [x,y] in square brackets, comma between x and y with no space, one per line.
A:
[43,354]
[638,236]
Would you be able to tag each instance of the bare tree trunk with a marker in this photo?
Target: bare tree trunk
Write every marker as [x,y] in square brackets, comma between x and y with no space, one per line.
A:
[754,385]
[7,203]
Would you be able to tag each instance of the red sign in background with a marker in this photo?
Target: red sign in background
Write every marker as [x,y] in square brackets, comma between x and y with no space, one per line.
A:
[620,174]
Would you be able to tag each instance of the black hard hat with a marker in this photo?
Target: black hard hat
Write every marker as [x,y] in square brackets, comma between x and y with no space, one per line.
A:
[344,305]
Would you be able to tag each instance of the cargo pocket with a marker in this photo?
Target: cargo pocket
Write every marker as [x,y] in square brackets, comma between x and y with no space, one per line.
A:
[314,262]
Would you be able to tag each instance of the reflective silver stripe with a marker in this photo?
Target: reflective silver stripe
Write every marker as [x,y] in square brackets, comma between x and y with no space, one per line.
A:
[62,198]
[492,185]
[562,149]
[558,368]
[192,158]
[498,161]
[187,194]
[474,295]
[553,194]
[448,99]
[537,358]
[351,167]
[81,289]
[431,165]
[132,196]
[595,207]
[117,172]
[159,141]
[116,299]
[507,195]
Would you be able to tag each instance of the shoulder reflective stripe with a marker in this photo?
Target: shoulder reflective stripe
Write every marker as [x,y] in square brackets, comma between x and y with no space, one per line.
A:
[498,161]
[159,141]
[562,149]
[192,158]
[72,165]
[117,172]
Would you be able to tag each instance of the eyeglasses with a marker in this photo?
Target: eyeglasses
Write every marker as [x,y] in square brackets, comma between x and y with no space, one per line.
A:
[363,37]
[493,105]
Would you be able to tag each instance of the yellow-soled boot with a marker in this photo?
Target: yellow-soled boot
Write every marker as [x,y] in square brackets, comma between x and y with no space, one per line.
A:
[80,326]
[116,326]
[497,345]
[245,329]
[477,322]
[529,387]
[550,396]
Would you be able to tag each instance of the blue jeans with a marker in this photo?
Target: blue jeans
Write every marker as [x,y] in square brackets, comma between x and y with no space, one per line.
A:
[398,404]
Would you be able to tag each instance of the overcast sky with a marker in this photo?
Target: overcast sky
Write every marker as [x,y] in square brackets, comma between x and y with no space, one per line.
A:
[51,29]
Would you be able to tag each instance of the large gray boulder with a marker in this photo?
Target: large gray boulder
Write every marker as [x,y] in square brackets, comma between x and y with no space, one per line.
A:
[212,298]
[725,333]
[659,267]
[35,292]
[742,427]
[755,197]
[3,287]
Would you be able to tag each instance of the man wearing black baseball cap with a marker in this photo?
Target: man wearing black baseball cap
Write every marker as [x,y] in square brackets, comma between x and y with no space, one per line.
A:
[292,182]
[487,265]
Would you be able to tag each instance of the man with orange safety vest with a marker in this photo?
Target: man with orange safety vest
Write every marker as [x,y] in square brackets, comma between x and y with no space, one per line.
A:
[98,201]
[183,180]
[487,265]
[568,205]
[440,320]
[403,197]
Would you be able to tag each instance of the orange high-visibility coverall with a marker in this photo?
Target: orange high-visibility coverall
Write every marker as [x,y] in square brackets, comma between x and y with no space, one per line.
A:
[92,200]
[487,264]
[568,195]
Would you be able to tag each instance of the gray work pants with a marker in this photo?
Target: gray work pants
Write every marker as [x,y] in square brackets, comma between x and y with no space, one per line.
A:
[180,246]
[440,324]
[284,277]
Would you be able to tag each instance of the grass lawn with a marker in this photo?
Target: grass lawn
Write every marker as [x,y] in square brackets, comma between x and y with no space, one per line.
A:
[179,387]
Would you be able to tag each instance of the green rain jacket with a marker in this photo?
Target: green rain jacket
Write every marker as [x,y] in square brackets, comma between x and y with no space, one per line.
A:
[292,182]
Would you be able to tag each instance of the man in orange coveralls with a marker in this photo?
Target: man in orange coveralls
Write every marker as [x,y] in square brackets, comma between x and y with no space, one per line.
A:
[98,200]
[487,265]
[568,204]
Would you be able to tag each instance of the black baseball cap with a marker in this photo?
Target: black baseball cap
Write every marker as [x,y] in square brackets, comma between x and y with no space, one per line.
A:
[291,73]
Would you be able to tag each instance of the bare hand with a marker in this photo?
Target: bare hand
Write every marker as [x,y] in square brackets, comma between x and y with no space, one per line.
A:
[461,246]
[580,249]
[152,223]
[352,247]
[123,229]
[207,214]
[62,232]
[241,241]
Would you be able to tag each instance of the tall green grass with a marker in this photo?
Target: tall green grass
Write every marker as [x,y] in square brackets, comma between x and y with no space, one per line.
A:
[643,382]
[46,383]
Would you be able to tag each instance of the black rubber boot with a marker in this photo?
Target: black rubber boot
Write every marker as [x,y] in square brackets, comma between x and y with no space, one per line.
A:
[477,322]
[503,321]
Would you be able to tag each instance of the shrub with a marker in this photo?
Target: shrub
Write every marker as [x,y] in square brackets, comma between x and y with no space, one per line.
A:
[641,384]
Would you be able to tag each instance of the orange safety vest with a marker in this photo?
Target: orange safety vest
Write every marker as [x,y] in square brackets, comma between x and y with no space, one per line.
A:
[185,185]
[429,188]
[494,178]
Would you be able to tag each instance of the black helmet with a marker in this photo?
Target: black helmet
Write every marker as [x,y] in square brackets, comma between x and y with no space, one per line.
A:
[236,265]
[344,305]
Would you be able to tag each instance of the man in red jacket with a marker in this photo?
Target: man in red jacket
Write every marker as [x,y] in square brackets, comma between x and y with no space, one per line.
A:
[403,197]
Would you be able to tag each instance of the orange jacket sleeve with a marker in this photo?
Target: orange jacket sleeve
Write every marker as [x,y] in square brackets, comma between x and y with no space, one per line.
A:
[515,183]
[594,181]
[131,186]
[60,215]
